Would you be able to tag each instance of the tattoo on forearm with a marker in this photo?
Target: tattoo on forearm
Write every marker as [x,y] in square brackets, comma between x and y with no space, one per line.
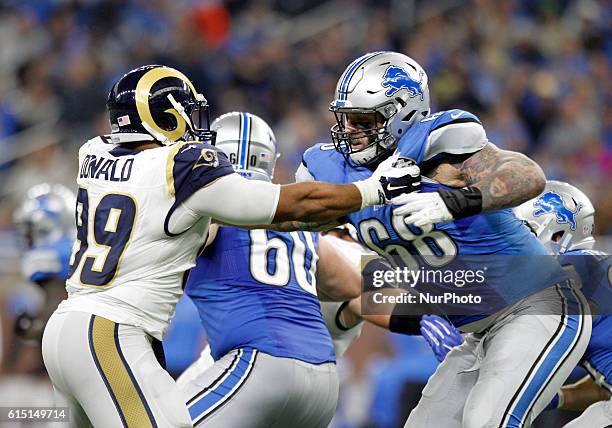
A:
[506,179]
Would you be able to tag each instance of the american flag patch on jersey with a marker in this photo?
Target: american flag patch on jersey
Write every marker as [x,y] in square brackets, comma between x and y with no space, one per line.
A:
[123,120]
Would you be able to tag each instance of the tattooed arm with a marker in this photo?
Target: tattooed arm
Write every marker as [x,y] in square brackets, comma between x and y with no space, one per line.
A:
[505,179]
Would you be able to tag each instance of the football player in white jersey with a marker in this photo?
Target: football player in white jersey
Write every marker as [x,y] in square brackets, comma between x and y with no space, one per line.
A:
[147,193]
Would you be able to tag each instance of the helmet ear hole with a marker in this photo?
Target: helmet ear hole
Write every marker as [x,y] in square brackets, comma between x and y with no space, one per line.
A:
[409,116]
[557,236]
[167,122]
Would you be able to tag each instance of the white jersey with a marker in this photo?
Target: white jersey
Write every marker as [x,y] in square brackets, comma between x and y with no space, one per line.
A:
[135,239]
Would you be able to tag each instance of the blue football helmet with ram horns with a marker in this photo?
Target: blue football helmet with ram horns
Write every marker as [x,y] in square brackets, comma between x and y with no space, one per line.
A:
[249,143]
[157,103]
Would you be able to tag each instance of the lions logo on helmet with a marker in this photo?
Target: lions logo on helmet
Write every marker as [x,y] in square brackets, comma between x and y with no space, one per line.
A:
[562,217]
[551,202]
[159,103]
[396,78]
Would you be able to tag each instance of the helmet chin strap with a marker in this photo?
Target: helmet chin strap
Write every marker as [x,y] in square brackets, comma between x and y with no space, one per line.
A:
[156,134]
[181,111]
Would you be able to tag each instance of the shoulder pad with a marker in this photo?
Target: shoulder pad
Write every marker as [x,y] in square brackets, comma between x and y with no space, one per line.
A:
[319,158]
[453,132]
[317,151]
[193,165]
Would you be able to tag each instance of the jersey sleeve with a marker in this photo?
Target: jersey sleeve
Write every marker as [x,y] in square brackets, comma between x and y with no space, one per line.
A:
[236,200]
[302,174]
[322,162]
[455,132]
[452,132]
[192,166]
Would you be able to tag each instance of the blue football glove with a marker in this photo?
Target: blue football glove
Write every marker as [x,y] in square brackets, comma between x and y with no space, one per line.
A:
[440,335]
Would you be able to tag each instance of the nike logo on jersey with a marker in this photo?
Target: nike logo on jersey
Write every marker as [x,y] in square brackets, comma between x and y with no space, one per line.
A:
[456,115]
[391,188]
[190,146]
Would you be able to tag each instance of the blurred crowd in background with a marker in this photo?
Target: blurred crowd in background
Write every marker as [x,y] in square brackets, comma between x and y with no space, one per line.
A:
[536,72]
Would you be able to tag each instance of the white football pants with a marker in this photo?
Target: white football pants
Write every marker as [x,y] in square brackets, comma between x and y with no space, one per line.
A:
[108,375]
[506,375]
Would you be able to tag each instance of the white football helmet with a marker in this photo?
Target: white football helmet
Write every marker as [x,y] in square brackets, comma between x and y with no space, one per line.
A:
[562,217]
[248,142]
[388,84]
[46,214]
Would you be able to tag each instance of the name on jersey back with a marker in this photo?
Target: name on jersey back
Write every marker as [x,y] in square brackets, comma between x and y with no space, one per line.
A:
[101,168]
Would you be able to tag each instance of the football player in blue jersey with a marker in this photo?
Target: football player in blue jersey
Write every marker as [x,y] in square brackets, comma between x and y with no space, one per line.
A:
[256,292]
[45,224]
[463,209]
[563,217]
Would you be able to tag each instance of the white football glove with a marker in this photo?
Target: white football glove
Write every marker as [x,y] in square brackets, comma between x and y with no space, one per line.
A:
[422,208]
[393,177]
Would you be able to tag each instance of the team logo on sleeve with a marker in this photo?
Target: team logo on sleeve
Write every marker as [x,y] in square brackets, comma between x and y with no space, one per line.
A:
[551,202]
[397,78]
[208,157]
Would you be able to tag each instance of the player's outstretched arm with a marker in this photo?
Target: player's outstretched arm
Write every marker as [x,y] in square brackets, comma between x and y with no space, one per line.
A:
[319,201]
[232,199]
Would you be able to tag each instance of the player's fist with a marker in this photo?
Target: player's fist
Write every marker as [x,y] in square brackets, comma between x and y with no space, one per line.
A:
[398,177]
[440,335]
[393,177]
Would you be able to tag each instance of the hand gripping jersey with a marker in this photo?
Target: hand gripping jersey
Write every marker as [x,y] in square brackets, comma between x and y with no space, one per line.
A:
[128,263]
[489,234]
[594,270]
[257,289]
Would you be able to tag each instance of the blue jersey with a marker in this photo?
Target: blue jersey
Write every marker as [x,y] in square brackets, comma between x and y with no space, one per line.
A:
[257,289]
[594,269]
[491,234]
[48,261]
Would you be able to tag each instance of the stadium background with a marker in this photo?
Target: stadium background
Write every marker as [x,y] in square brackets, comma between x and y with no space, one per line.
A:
[537,73]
